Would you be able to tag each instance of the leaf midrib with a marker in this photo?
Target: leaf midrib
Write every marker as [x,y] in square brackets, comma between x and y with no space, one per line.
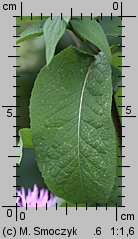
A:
[79,121]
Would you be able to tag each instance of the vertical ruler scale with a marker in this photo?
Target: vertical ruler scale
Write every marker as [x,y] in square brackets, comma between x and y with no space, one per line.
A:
[66,222]
[130,111]
[8,101]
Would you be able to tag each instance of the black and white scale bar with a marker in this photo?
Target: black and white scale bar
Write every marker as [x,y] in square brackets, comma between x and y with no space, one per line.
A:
[121,10]
[16,86]
[16,116]
[86,206]
[14,56]
[121,86]
[16,26]
[121,36]
[121,46]
[124,166]
[66,209]
[16,46]
[116,213]
[21,11]
[121,56]
[127,116]
[123,66]
[11,106]
[121,106]
[10,206]
[13,156]
[126,16]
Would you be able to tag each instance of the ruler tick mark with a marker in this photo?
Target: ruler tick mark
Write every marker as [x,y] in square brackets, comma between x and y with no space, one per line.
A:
[66,209]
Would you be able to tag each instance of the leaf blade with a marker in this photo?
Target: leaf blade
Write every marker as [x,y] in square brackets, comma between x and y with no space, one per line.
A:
[25,141]
[32,31]
[112,29]
[66,19]
[93,32]
[26,136]
[69,162]
[53,31]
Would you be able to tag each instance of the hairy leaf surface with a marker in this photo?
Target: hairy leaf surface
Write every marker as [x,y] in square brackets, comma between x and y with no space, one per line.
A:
[72,129]
[53,31]
[93,32]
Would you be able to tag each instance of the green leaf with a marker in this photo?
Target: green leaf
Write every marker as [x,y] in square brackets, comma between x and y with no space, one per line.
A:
[19,151]
[32,31]
[115,79]
[66,19]
[53,30]
[117,191]
[117,59]
[26,137]
[25,141]
[72,129]
[118,101]
[111,29]
[93,32]
[116,71]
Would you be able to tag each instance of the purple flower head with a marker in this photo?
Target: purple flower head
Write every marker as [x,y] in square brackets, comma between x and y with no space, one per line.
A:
[40,197]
